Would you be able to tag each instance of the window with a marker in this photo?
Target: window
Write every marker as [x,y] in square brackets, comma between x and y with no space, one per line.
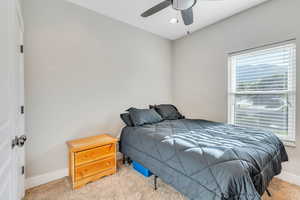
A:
[262,89]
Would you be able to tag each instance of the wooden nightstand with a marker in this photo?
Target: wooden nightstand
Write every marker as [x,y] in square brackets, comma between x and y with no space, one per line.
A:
[91,158]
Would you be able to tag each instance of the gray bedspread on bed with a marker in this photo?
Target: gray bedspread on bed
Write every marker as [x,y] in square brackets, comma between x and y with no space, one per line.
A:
[207,160]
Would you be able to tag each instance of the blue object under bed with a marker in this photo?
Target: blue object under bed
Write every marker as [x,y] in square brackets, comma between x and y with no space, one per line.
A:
[141,169]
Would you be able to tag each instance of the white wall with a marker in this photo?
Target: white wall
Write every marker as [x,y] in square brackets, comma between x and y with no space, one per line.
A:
[82,71]
[200,61]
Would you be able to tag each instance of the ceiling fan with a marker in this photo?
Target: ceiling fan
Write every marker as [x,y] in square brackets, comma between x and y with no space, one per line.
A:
[185,6]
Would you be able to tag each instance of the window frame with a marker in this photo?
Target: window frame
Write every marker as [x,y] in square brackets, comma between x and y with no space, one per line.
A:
[290,139]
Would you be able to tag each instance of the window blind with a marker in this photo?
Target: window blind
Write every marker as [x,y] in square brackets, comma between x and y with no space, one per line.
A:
[262,89]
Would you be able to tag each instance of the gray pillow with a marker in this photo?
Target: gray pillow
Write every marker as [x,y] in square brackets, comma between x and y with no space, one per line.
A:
[144,116]
[126,119]
[167,111]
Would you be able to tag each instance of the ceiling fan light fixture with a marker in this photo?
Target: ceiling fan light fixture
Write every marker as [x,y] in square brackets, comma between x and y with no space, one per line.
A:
[183,4]
[174,21]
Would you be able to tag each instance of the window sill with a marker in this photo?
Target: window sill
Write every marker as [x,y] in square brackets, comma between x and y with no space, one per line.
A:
[289,143]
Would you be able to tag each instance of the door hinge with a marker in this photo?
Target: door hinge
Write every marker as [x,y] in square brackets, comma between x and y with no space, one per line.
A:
[22,48]
[23,170]
[22,109]
[14,142]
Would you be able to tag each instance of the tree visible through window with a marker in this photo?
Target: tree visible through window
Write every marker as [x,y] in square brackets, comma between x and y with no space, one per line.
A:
[262,89]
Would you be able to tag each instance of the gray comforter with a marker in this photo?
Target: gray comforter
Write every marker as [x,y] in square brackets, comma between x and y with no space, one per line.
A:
[207,160]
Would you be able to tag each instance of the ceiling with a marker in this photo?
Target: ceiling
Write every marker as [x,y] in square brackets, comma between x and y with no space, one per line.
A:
[129,11]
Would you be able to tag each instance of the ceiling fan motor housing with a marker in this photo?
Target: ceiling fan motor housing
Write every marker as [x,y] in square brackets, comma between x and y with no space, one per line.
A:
[183,4]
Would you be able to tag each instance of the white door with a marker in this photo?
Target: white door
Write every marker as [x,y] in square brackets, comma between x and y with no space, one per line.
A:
[7,124]
[9,101]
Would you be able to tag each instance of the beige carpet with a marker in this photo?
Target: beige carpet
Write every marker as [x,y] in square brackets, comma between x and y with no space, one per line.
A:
[127,184]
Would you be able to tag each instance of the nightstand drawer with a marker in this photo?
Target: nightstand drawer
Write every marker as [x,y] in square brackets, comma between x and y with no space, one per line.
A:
[94,154]
[95,167]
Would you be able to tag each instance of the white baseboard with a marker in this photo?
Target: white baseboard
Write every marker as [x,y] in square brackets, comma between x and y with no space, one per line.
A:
[51,176]
[289,177]
[119,155]
[45,178]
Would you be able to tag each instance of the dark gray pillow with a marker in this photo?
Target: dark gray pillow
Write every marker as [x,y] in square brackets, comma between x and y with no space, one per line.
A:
[167,111]
[126,119]
[144,116]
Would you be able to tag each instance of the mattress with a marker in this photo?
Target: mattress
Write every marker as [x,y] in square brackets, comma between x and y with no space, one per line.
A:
[207,160]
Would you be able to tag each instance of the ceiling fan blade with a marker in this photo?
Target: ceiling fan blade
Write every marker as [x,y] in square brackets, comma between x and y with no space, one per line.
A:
[157,8]
[187,16]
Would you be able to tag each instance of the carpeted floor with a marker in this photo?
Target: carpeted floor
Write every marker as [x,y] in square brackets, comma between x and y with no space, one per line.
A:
[127,184]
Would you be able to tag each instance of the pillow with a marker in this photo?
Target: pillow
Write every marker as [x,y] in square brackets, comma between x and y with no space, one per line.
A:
[144,116]
[126,119]
[167,111]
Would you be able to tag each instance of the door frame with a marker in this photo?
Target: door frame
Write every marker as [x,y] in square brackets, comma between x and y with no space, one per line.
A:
[20,117]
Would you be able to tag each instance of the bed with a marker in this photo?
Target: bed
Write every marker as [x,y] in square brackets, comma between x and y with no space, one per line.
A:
[207,160]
